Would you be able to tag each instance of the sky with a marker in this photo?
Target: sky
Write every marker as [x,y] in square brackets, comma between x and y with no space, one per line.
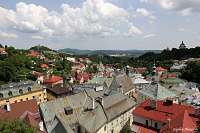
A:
[100,24]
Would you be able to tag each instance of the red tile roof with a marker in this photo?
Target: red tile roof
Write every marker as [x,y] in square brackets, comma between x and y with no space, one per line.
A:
[18,109]
[2,49]
[53,79]
[33,54]
[3,52]
[162,112]
[139,128]
[37,73]
[160,69]
[168,75]
[182,121]
[108,67]
[44,65]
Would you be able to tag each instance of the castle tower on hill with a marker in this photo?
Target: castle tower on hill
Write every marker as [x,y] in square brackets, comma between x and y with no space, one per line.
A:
[182,46]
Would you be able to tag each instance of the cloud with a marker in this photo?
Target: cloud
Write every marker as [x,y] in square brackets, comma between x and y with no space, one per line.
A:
[8,35]
[184,29]
[37,37]
[149,36]
[93,18]
[132,31]
[145,13]
[145,1]
[184,7]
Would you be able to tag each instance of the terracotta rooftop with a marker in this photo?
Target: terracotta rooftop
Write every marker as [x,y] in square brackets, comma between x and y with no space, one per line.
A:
[53,79]
[18,109]
[160,69]
[165,110]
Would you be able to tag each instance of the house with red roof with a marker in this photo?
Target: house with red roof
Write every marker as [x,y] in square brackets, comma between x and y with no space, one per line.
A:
[33,54]
[83,77]
[3,51]
[26,110]
[163,117]
[40,78]
[88,61]
[81,59]
[44,66]
[51,81]
[159,70]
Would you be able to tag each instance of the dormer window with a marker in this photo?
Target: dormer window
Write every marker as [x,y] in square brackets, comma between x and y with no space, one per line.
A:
[20,91]
[1,95]
[29,89]
[10,93]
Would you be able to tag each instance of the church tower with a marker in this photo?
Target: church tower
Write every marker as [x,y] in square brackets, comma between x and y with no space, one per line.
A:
[182,46]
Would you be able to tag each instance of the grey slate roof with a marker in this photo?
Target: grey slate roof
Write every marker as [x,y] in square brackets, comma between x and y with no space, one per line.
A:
[122,81]
[91,120]
[157,92]
[182,92]
[101,81]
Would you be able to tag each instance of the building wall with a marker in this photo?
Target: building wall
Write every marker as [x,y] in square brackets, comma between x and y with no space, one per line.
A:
[50,96]
[151,123]
[41,94]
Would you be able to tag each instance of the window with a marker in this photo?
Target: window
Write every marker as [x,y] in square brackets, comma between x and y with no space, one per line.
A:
[33,96]
[20,91]
[104,128]
[156,125]
[39,94]
[15,101]
[40,100]
[147,122]
[1,95]
[21,100]
[10,93]
[27,99]
[44,94]
[29,89]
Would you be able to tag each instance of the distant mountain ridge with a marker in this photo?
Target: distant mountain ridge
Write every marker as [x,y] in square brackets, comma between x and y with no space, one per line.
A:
[106,52]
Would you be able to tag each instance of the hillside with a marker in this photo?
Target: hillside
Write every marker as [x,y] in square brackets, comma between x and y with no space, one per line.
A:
[107,52]
[175,54]
[39,48]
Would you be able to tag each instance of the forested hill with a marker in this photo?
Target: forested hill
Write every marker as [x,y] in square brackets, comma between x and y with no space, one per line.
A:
[175,54]
[106,52]
[39,48]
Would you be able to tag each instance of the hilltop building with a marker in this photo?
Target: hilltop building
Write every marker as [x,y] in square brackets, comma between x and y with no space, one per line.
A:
[22,91]
[182,46]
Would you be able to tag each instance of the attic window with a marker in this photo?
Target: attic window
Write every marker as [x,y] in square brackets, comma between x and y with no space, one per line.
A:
[20,91]
[1,95]
[10,93]
[29,89]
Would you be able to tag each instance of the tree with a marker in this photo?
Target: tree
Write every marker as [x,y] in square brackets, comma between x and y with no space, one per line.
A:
[16,126]
[191,72]
[1,46]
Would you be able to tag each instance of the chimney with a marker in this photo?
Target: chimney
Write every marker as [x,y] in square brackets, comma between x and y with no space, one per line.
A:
[101,101]
[168,122]
[93,103]
[41,126]
[153,104]
[8,106]
[197,111]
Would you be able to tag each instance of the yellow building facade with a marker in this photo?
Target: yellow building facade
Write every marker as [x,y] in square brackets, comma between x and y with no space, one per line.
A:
[22,91]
